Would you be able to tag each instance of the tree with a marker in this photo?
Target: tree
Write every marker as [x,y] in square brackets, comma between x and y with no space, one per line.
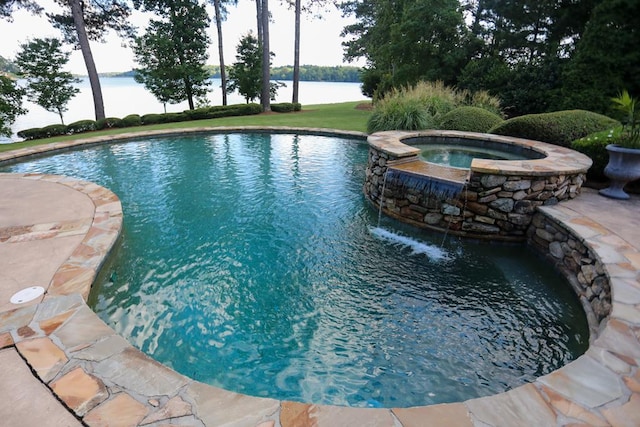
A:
[220,10]
[7,7]
[245,74]
[41,62]
[10,104]
[607,59]
[265,88]
[406,41]
[298,9]
[90,20]
[173,52]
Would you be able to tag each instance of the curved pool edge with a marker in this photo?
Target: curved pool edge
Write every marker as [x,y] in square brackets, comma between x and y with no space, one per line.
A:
[101,376]
[19,154]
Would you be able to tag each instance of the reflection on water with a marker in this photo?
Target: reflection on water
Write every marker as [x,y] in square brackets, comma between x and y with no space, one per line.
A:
[254,263]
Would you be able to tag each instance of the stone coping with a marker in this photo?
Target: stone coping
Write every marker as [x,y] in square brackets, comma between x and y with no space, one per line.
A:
[557,161]
[103,380]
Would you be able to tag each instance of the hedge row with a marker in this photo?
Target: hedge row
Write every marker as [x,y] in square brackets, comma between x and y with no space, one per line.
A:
[559,128]
[149,119]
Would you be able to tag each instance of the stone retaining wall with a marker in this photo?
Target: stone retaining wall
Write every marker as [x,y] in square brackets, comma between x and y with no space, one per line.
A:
[577,262]
[497,199]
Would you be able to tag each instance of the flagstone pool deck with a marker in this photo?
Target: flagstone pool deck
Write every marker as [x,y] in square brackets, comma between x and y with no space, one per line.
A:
[62,366]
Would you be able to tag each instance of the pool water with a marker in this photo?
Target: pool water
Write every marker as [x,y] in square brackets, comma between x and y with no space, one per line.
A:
[253,263]
[460,156]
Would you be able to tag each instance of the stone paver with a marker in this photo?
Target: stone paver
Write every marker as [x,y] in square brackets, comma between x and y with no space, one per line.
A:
[105,381]
[80,391]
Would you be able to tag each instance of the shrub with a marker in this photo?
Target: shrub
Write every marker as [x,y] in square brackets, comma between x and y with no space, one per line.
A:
[53,130]
[31,133]
[560,127]
[286,107]
[131,120]
[397,113]
[469,119]
[199,113]
[482,99]
[81,126]
[434,98]
[153,119]
[594,146]
[108,123]
[175,117]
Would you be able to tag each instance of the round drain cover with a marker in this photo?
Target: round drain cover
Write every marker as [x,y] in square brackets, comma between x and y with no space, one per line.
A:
[27,294]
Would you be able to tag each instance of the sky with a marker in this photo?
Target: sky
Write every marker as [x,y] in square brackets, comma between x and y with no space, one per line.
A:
[320,41]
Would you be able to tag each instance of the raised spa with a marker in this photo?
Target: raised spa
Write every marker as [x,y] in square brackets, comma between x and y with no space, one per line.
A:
[492,199]
[253,262]
[460,152]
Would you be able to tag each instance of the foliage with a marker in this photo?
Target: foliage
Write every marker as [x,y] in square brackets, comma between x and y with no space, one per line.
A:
[469,119]
[10,104]
[173,51]
[399,113]
[41,62]
[245,75]
[108,123]
[82,21]
[630,137]
[81,126]
[53,130]
[99,17]
[594,146]
[407,40]
[559,128]
[317,73]
[131,120]
[606,58]
[286,107]
[7,7]
[30,134]
[433,99]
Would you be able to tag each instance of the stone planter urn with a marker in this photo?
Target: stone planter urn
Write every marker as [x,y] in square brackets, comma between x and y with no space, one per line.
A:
[623,167]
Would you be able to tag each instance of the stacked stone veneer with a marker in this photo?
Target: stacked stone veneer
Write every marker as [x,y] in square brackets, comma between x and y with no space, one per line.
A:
[577,262]
[498,198]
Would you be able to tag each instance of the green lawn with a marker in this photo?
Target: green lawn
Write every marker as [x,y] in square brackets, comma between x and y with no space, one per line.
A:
[342,116]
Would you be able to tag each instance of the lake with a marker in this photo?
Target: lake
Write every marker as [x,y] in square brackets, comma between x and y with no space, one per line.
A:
[123,96]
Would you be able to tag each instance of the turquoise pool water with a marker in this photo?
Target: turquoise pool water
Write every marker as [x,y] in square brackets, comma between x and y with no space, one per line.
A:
[253,262]
[461,155]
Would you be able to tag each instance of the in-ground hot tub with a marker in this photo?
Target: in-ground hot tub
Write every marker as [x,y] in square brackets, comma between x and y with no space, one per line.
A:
[492,199]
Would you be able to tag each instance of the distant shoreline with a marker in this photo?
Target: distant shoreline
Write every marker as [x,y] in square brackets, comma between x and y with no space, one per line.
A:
[308,73]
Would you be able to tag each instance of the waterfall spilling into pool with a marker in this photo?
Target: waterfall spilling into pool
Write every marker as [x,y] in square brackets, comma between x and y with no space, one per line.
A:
[432,186]
[253,262]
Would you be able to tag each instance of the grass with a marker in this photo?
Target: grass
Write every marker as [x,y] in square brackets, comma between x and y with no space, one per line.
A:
[341,116]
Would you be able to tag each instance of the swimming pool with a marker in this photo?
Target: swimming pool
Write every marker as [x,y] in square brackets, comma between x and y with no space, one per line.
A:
[253,262]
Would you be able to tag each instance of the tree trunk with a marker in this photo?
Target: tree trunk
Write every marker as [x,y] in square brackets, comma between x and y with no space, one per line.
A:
[83,40]
[223,73]
[296,54]
[265,99]
[259,19]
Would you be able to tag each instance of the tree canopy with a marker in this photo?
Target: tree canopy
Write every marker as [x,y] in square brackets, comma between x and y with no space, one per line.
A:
[41,62]
[173,52]
[536,55]
[10,104]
